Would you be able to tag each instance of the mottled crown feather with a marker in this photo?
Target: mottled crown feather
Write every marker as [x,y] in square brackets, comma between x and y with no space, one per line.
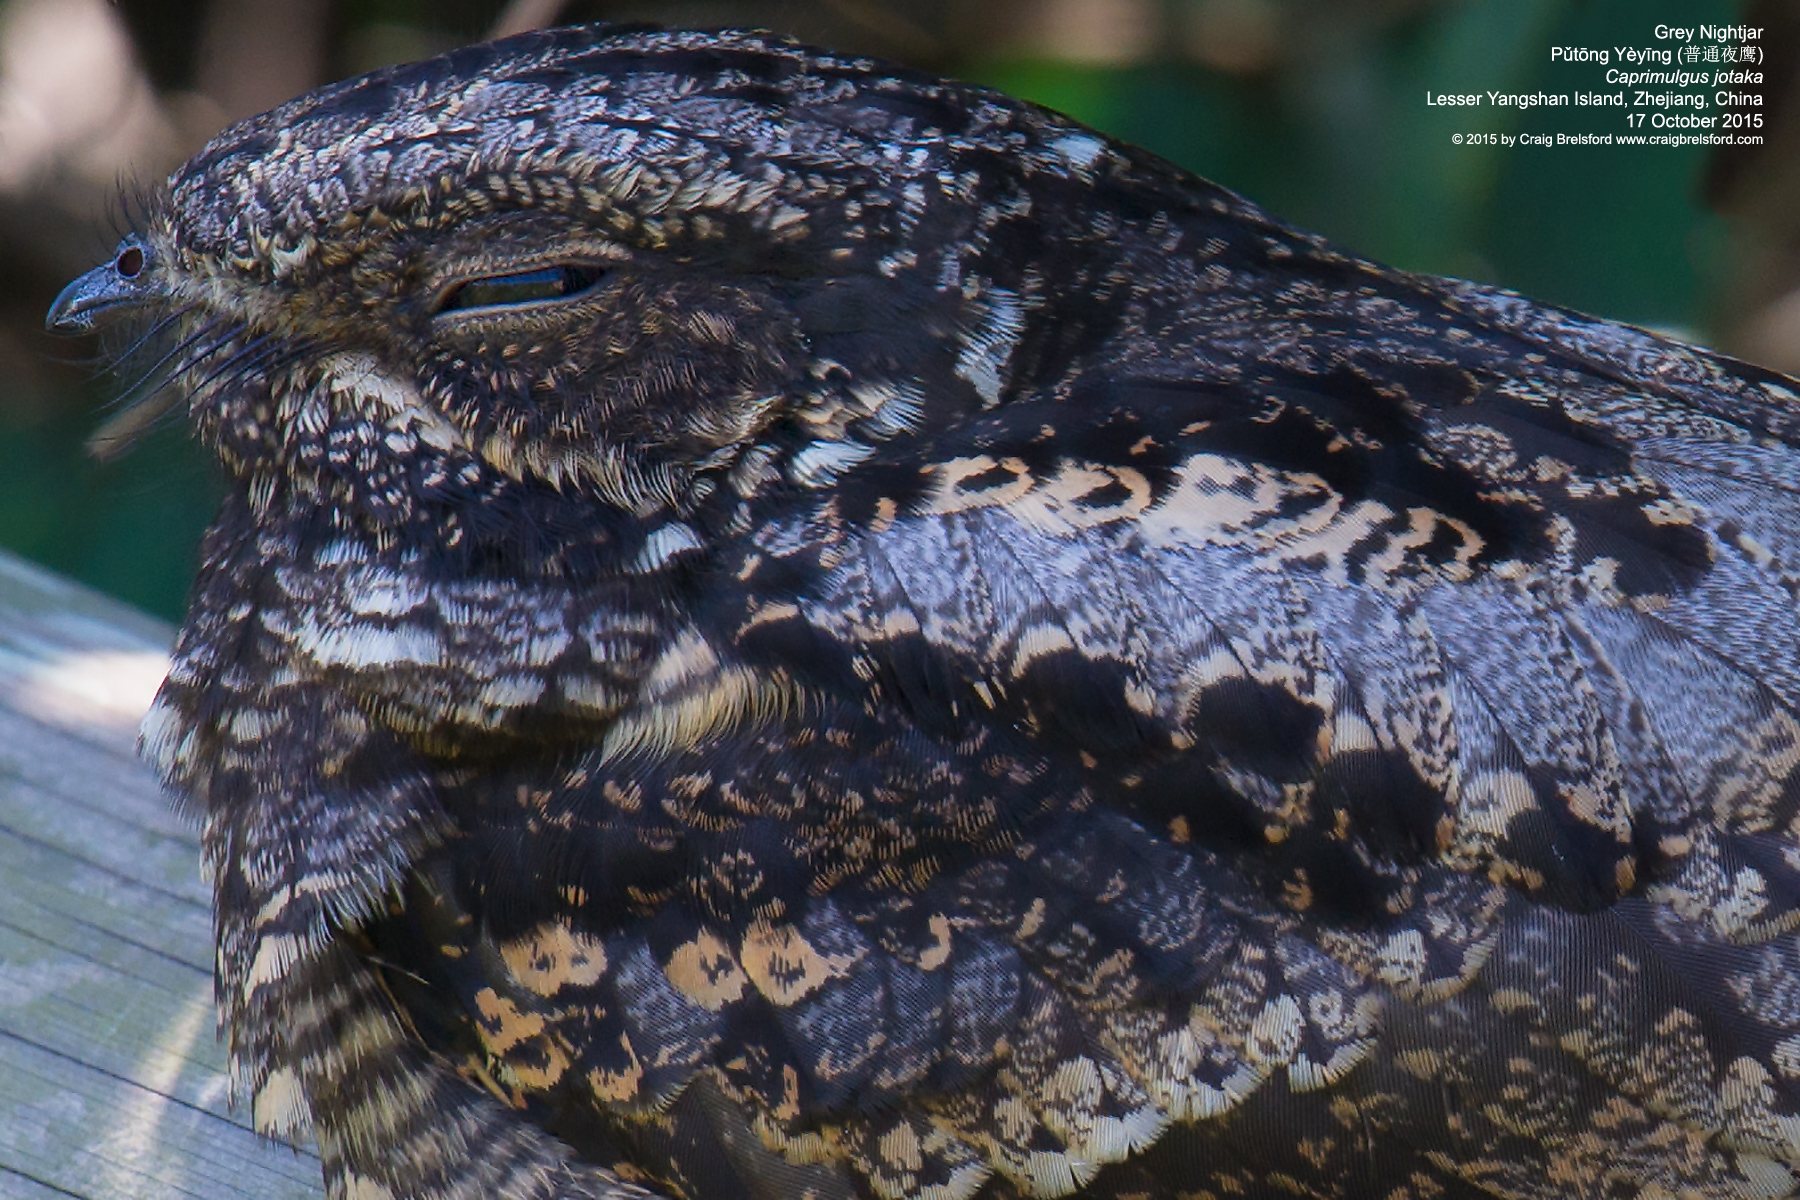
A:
[658,136]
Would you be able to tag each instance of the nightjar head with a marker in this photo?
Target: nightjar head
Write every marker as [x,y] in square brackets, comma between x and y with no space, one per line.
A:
[639,265]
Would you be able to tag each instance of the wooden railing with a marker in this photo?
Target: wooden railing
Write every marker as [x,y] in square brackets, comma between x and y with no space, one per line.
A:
[112,1084]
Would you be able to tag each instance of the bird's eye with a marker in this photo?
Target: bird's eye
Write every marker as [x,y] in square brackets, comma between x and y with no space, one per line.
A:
[526,287]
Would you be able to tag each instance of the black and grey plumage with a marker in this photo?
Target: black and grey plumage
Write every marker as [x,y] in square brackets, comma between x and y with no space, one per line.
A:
[785,627]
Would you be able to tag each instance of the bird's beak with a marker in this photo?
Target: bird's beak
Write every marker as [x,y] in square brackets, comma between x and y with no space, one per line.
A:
[104,293]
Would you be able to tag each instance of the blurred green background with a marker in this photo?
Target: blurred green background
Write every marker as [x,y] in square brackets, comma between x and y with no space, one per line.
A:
[1313,108]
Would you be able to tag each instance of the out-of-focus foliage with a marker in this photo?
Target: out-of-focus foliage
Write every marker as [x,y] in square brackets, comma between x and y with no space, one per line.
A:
[1314,108]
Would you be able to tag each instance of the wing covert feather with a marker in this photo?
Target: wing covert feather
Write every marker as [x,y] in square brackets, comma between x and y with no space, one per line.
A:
[1236,796]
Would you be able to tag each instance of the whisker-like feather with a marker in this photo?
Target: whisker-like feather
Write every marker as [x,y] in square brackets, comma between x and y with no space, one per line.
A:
[236,359]
[134,202]
[153,379]
[160,394]
[142,340]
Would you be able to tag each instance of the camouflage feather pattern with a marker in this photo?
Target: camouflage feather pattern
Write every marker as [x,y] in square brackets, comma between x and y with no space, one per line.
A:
[785,627]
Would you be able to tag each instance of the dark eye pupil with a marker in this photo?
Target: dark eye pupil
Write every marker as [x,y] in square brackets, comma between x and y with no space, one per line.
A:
[527,287]
[129,262]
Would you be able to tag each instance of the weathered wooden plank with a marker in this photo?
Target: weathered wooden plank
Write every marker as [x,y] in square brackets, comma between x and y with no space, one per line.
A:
[58,991]
[112,1083]
[16,1185]
[63,881]
[93,1134]
[41,756]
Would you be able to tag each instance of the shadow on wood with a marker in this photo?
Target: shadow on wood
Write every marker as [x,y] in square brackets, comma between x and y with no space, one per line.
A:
[112,1085]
